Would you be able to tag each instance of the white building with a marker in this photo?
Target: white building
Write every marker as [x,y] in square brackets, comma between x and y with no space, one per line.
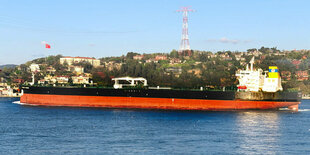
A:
[138,57]
[34,67]
[71,60]
[51,70]
[53,79]
[80,79]
[62,79]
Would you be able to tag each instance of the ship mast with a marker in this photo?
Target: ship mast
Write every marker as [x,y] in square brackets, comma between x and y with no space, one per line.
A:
[252,63]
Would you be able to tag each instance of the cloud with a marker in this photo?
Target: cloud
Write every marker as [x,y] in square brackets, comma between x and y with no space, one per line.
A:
[225,40]
[91,44]
[229,41]
[43,42]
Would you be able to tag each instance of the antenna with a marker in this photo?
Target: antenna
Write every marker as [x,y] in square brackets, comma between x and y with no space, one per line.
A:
[184,40]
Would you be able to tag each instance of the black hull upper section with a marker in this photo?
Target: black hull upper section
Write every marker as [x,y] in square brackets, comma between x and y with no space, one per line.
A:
[152,93]
[166,93]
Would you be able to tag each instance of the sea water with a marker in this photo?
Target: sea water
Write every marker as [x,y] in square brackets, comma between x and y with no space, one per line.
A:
[62,130]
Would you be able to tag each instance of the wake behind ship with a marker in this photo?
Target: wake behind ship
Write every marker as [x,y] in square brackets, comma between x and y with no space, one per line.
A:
[256,90]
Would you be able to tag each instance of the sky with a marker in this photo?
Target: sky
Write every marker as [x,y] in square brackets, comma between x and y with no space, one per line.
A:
[102,28]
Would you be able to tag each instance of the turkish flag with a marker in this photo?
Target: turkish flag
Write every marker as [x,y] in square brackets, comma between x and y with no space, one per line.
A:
[47,46]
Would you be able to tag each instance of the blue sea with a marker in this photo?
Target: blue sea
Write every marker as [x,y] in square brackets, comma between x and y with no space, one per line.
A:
[62,130]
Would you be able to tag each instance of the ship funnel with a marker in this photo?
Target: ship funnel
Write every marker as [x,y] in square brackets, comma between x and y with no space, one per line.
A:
[273,82]
[273,72]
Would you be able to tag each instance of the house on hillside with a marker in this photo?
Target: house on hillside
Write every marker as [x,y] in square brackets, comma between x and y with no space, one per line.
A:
[212,55]
[160,57]
[302,75]
[62,79]
[112,65]
[76,69]
[53,79]
[286,75]
[2,80]
[3,87]
[255,53]
[51,70]
[238,56]
[151,60]
[19,81]
[175,61]
[138,57]
[296,63]
[34,67]
[42,81]
[176,71]
[81,79]
[225,56]
[279,53]
[48,80]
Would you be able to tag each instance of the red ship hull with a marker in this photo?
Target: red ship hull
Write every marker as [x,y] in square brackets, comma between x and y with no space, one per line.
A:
[152,103]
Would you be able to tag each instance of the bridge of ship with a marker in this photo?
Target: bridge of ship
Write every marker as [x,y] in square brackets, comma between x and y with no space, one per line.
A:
[128,82]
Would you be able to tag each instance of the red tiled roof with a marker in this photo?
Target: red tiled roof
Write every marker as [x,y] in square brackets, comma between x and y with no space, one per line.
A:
[296,62]
[19,80]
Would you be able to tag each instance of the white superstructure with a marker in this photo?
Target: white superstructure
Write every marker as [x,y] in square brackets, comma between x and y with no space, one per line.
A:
[128,82]
[255,80]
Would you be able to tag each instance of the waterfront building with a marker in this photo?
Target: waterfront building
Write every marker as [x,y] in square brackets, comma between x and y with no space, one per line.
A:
[81,79]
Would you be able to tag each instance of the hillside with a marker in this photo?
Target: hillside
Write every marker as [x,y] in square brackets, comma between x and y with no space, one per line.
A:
[188,69]
[8,66]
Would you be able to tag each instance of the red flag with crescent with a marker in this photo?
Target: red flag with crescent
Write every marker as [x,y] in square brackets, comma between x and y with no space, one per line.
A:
[47,46]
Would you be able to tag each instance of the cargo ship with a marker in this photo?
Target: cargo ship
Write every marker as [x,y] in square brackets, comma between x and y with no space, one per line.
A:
[257,90]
